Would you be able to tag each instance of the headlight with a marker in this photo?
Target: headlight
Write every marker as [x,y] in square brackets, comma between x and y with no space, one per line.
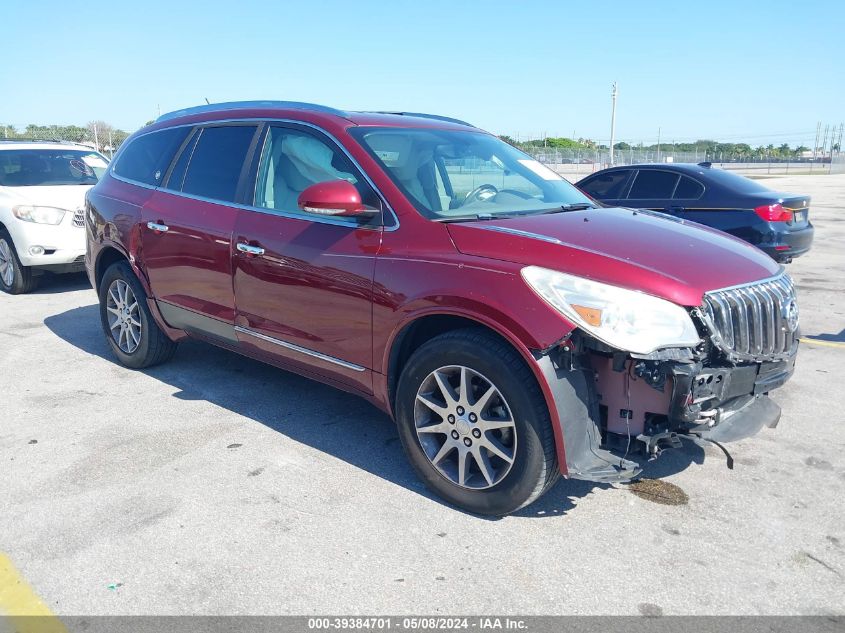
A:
[39,215]
[624,319]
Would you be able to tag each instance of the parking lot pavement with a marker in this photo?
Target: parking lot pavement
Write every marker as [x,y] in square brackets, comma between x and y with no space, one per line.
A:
[218,485]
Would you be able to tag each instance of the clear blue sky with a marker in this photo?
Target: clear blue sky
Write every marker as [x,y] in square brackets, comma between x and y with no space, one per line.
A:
[758,72]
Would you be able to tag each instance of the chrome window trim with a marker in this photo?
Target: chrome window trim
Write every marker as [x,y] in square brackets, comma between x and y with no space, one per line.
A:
[129,181]
[301,350]
[385,226]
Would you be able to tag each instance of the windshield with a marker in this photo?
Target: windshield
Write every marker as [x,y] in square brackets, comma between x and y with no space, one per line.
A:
[451,174]
[45,167]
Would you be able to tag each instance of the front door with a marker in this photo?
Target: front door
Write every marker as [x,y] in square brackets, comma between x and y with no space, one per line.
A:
[303,283]
[186,232]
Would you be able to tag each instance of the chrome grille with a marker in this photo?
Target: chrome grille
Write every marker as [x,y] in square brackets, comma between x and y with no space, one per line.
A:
[79,218]
[752,321]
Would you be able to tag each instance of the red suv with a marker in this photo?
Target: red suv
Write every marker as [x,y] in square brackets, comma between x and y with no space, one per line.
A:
[514,331]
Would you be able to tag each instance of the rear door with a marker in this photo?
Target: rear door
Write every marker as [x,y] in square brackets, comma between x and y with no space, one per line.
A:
[303,282]
[186,231]
[653,189]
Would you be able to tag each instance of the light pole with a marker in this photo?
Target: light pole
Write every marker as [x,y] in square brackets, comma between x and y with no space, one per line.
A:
[613,93]
[658,145]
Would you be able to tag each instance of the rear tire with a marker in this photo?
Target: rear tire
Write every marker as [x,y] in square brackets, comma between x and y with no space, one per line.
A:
[15,278]
[505,440]
[132,333]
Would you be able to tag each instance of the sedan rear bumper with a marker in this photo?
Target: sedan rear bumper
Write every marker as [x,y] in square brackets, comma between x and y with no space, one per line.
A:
[787,245]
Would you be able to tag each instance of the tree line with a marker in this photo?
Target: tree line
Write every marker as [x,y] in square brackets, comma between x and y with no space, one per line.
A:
[96,134]
[702,146]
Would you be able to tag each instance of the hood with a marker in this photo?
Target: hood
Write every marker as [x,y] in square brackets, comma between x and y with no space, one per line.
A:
[69,197]
[640,250]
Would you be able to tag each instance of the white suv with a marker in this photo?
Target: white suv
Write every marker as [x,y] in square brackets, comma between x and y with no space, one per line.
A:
[42,200]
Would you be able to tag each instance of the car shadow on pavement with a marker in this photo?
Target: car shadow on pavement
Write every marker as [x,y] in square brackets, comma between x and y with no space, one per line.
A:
[831,338]
[50,283]
[340,424]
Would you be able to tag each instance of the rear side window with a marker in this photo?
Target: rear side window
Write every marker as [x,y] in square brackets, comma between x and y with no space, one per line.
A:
[146,158]
[653,184]
[606,186]
[217,161]
[688,189]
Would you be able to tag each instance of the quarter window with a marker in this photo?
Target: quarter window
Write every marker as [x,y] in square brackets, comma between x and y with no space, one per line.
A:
[293,160]
[688,189]
[653,184]
[607,186]
[146,158]
[217,160]
[177,174]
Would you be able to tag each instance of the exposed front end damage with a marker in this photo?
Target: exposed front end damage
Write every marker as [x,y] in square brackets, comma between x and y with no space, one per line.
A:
[716,391]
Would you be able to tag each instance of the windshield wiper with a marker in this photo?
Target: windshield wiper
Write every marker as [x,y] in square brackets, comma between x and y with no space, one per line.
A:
[569,206]
[468,218]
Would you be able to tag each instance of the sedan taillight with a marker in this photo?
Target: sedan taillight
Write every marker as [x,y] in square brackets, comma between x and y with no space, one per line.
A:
[774,213]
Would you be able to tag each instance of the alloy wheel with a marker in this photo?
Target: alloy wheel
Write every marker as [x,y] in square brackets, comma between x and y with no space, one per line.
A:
[465,427]
[124,316]
[7,264]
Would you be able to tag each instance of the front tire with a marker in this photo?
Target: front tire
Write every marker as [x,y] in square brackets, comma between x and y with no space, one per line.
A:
[15,278]
[474,423]
[132,333]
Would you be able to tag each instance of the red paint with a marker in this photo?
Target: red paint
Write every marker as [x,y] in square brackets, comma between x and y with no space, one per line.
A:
[349,292]
[191,264]
[313,287]
[336,197]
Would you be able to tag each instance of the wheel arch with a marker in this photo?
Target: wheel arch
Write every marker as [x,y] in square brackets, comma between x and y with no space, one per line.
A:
[421,328]
[110,253]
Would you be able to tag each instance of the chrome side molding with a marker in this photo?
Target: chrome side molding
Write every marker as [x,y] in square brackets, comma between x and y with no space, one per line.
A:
[301,350]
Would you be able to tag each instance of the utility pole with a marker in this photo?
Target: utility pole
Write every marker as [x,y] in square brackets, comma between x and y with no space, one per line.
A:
[612,121]
[816,145]
[824,140]
[658,145]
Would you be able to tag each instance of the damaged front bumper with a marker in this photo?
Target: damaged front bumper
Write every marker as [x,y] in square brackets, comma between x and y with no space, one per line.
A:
[651,403]
[726,402]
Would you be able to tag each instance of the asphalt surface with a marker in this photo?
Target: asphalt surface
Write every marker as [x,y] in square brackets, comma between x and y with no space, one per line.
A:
[218,485]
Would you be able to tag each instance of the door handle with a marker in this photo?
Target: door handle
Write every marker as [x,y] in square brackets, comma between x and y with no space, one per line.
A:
[249,249]
[158,228]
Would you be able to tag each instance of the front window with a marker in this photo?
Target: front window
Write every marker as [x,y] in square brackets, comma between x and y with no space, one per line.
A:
[293,160]
[451,174]
[47,167]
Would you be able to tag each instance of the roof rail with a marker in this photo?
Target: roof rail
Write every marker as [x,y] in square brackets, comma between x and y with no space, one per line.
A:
[422,115]
[234,105]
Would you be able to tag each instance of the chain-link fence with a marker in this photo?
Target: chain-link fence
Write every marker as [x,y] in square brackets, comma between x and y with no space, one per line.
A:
[578,163]
[96,135]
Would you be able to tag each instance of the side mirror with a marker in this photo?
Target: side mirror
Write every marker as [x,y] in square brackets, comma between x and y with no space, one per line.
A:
[334,197]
